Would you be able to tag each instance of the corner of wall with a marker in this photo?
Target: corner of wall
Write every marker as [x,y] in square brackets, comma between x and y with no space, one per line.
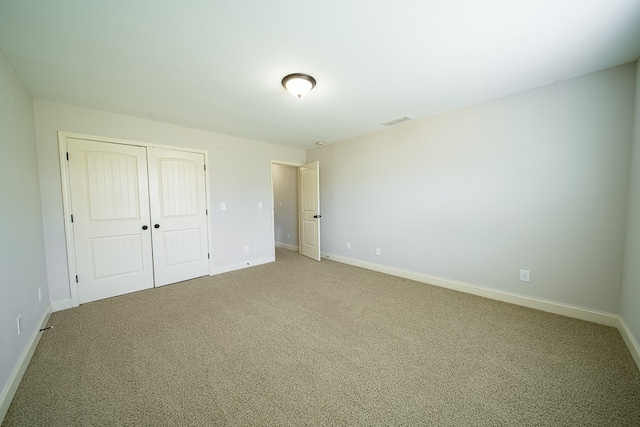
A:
[630,294]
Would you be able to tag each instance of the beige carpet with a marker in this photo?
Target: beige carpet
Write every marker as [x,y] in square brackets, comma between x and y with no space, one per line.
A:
[298,342]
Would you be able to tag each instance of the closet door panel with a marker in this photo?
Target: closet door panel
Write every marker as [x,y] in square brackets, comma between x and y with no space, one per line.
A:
[110,206]
[179,215]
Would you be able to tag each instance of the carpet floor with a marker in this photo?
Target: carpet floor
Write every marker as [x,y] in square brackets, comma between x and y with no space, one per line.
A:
[299,342]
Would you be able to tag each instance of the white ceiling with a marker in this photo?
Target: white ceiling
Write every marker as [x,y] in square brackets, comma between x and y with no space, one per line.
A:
[217,64]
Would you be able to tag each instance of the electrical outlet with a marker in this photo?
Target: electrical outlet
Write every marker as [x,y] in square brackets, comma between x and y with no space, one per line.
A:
[246,248]
[378,251]
[19,322]
[40,294]
[259,205]
[348,245]
[525,276]
[223,206]
[288,235]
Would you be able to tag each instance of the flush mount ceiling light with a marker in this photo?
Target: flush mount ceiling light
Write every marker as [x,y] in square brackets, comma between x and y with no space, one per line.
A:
[298,84]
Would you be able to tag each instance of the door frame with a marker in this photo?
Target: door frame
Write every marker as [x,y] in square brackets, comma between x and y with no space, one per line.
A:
[66,196]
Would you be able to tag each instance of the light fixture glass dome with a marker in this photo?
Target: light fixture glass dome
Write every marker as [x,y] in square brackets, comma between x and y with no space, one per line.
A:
[299,84]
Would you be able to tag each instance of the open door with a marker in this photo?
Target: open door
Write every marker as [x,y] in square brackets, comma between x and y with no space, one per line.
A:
[309,202]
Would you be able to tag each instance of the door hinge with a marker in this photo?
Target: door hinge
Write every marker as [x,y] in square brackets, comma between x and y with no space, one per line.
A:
[76,279]
[67,155]
[71,218]
[208,256]
[205,167]
[206,211]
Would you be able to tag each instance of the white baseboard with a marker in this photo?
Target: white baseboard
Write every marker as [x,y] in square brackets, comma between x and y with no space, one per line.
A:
[12,384]
[241,265]
[68,303]
[603,318]
[61,305]
[287,246]
[630,340]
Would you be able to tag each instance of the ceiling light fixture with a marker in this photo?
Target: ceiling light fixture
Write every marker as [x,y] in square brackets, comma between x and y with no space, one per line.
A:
[298,84]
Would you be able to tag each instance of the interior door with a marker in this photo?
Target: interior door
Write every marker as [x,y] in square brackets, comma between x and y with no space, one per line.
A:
[179,215]
[309,218]
[110,214]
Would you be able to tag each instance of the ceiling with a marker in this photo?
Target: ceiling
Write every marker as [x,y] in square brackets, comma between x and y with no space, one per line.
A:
[217,65]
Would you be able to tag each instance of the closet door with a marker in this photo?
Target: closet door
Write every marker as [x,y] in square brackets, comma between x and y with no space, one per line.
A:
[111,222]
[178,215]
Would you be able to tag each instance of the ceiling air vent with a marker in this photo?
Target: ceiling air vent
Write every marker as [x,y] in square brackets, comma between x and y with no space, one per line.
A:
[398,121]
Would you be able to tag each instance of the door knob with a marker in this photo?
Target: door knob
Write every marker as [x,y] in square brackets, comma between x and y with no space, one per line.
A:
[156,226]
[144,227]
[317,216]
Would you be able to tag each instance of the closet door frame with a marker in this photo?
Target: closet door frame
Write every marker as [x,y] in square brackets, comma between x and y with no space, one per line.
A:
[66,196]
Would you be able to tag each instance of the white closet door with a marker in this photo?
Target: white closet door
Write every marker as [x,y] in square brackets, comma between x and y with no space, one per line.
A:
[178,212]
[110,206]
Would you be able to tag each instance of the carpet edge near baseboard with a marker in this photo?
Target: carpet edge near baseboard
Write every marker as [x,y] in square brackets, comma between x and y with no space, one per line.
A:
[581,313]
[241,265]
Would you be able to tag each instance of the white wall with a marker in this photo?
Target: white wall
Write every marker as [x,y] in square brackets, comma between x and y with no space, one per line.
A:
[22,263]
[534,181]
[285,197]
[239,171]
[630,302]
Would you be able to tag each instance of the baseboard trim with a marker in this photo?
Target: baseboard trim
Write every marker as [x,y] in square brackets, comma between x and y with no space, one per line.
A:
[630,340]
[287,246]
[240,266]
[603,318]
[60,305]
[11,387]
[68,303]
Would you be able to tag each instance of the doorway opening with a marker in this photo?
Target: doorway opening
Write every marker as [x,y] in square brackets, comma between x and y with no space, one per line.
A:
[296,207]
[284,178]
